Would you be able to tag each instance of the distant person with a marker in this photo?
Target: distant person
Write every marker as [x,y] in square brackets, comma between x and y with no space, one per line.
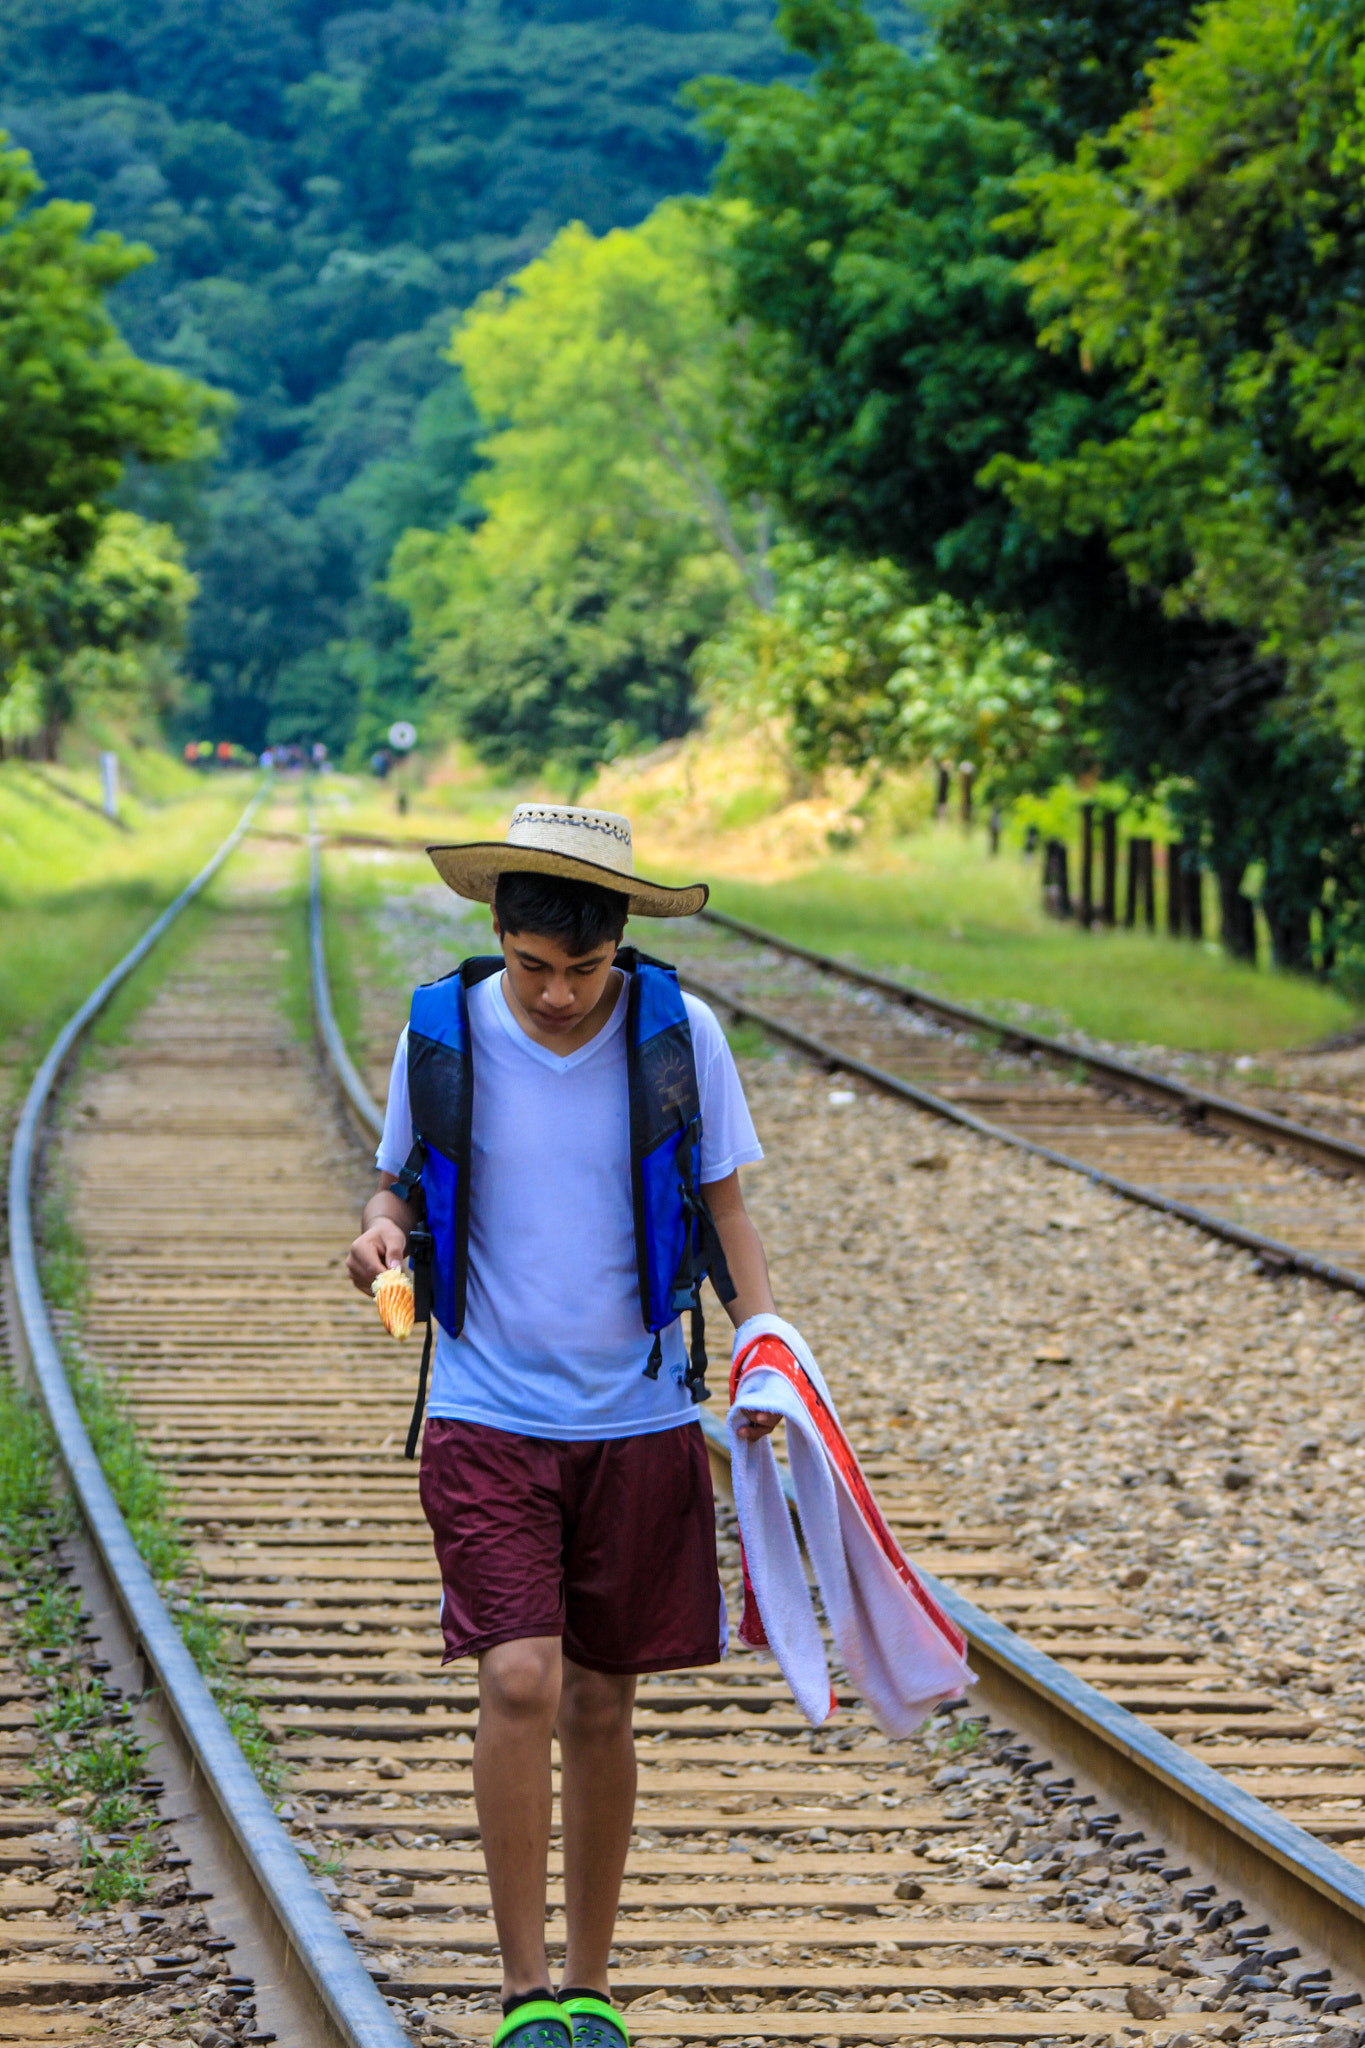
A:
[581,1126]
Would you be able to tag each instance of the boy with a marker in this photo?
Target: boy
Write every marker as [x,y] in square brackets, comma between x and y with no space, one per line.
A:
[563,1473]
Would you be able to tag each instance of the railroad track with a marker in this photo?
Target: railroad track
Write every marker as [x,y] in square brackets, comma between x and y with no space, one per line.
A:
[1288,1191]
[305,1975]
[1281,1186]
[835,1888]
[1172,1688]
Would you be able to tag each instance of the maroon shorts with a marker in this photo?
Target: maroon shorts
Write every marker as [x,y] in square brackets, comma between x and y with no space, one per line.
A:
[610,1546]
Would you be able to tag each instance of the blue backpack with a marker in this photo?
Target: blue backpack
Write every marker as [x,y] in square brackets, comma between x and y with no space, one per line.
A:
[676,1242]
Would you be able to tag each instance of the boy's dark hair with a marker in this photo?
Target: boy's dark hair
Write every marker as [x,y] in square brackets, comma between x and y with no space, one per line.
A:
[577,915]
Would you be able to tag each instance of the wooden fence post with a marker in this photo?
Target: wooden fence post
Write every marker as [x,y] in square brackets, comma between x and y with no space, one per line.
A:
[1175,890]
[1193,871]
[1109,853]
[966,775]
[1149,885]
[944,789]
[1087,911]
[1238,919]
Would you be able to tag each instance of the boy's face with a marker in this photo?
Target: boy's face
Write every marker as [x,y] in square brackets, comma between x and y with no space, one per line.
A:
[557,990]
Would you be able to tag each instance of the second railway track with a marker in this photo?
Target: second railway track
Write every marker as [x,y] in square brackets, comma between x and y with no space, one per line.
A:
[1291,1193]
[837,1888]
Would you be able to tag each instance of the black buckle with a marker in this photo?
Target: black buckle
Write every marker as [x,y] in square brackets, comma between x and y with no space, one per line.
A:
[422,1252]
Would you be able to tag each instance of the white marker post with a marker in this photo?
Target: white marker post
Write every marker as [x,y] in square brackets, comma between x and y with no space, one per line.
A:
[109,781]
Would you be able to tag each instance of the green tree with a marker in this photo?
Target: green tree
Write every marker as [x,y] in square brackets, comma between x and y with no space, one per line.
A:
[100,636]
[856,671]
[76,404]
[1213,251]
[562,627]
[905,399]
[325,187]
[600,367]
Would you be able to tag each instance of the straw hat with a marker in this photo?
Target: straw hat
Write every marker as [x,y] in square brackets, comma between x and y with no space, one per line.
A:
[560,839]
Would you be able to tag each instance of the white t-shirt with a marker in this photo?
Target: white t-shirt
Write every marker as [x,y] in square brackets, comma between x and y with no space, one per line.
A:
[554,1344]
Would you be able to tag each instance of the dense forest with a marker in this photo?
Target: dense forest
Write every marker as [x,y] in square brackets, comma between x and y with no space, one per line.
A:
[988,393]
[324,187]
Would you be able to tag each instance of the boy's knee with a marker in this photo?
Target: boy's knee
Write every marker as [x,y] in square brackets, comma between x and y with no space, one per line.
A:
[521,1679]
[596,1706]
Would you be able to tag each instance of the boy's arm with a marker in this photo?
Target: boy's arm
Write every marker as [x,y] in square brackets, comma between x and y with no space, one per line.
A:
[383,1239]
[744,1256]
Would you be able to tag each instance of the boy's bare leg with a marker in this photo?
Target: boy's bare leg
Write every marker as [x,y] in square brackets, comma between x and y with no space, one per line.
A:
[597,1807]
[519,1697]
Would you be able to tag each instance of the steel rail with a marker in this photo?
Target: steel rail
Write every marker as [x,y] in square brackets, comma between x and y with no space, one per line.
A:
[1242,1842]
[356,1095]
[1272,1251]
[1194,1105]
[346,2008]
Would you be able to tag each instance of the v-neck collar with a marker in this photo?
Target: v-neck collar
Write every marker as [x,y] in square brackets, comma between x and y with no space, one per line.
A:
[561,1062]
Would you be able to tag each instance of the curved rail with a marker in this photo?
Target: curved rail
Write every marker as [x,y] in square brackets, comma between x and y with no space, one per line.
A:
[348,2008]
[359,1100]
[1272,1251]
[1242,1841]
[1195,1105]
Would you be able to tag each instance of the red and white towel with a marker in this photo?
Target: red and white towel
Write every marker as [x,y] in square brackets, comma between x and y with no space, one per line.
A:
[902,1653]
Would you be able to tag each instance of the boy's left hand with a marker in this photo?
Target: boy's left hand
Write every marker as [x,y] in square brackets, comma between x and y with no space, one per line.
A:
[757,1423]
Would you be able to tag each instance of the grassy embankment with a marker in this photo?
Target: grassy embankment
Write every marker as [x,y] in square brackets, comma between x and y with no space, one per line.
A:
[77,890]
[930,902]
[925,900]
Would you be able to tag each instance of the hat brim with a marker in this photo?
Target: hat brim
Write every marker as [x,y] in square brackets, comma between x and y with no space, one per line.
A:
[473,871]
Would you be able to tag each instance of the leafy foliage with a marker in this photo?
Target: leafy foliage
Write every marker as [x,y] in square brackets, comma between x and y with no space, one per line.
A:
[858,672]
[323,189]
[908,409]
[90,606]
[1214,251]
[601,365]
[562,628]
[75,402]
[99,635]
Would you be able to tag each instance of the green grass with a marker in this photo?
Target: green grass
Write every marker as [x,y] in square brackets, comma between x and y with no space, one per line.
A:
[75,892]
[934,907]
[86,1752]
[144,1497]
[943,912]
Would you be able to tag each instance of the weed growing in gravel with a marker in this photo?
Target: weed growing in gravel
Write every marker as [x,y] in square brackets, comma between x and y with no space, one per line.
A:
[120,1872]
[144,1496]
[749,1041]
[964,1737]
[73,1705]
[48,1616]
[112,1763]
[65,1280]
[86,1750]
[333,1864]
[115,1813]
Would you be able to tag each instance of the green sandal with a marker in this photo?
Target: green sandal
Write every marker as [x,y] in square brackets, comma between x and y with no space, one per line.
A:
[540,2023]
[596,2024]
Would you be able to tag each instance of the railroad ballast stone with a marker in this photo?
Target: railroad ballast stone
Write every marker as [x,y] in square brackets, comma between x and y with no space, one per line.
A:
[927,1300]
[1104,1379]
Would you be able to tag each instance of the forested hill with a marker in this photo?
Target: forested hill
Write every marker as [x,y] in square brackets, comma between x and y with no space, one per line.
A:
[323,188]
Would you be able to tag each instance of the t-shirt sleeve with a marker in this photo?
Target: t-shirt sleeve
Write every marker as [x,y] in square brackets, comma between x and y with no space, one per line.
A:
[728,1137]
[396,1143]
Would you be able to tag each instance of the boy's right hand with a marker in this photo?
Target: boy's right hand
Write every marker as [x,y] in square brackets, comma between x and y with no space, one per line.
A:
[384,1244]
